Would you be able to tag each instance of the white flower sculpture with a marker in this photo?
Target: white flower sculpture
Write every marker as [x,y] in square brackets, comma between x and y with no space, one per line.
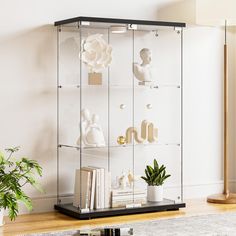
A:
[96,53]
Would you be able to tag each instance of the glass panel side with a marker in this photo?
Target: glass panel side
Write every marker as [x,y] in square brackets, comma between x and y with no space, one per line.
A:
[68,111]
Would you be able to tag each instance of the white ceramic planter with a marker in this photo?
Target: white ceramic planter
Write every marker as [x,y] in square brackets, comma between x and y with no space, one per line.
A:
[155,193]
[1,217]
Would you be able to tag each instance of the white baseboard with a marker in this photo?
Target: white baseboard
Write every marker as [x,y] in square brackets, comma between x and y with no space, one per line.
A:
[45,204]
[202,190]
[191,191]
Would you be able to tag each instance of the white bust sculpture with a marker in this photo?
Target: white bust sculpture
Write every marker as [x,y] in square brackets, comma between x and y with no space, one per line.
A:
[91,130]
[143,71]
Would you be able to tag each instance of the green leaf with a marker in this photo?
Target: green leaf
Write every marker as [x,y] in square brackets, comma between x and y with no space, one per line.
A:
[144,178]
[167,176]
[26,201]
[156,167]
[162,168]
[38,186]
[14,149]
[9,201]
[147,174]
[163,173]
[2,158]
[150,170]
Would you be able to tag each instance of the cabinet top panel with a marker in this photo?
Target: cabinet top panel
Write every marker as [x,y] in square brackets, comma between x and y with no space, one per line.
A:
[109,21]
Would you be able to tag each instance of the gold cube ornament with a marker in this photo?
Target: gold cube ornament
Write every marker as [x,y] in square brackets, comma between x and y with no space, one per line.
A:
[95,78]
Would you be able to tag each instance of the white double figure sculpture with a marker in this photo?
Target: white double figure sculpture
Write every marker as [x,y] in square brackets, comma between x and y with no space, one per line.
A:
[144,71]
[91,130]
[127,180]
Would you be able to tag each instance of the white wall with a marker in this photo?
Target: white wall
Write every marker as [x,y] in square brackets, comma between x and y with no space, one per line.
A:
[28,87]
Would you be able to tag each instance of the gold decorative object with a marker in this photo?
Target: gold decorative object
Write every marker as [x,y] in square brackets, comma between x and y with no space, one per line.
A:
[148,131]
[95,78]
[133,131]
[121,140]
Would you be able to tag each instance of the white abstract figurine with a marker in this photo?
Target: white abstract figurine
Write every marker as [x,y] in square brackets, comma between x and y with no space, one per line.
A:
[127,180]
[91,130]
[143,72]
[130,178]
[123,181]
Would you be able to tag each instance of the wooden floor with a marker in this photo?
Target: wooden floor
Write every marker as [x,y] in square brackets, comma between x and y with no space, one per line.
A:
[54,221]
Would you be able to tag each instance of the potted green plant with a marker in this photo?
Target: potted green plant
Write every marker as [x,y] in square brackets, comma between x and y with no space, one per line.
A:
[14,175]
[155,177]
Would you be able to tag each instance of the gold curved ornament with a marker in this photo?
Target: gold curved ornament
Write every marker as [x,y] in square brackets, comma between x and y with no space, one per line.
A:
[148,131]
[132,131]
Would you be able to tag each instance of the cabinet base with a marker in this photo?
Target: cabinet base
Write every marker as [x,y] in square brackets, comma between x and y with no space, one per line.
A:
[165,205]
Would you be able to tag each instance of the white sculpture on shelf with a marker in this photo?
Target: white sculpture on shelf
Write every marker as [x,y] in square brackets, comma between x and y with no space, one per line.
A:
[132,178]
[97,55]
[127,180]
[91,130]
[144,71]
[124,181]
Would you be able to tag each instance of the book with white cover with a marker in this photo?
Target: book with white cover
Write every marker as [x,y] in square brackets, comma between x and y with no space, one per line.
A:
[97,189]
[123,203]
[93,185]
[102,196]
[107,189]
[127,197]
[128,191]
[82,189]
[102,187]
[99,200]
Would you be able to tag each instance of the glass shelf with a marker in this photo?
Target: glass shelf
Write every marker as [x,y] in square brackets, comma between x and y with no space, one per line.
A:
[122,86]
[121,146]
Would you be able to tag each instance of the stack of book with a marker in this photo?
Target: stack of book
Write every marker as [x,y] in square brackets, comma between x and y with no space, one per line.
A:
[122,198]
[92,188]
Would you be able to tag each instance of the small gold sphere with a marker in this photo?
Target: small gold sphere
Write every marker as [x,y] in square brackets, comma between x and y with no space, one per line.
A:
[121,140]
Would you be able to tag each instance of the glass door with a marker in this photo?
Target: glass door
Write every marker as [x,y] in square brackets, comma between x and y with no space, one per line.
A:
[157,110]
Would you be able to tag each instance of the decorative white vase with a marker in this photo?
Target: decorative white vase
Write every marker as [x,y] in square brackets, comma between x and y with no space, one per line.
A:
[1,217]
[155,193]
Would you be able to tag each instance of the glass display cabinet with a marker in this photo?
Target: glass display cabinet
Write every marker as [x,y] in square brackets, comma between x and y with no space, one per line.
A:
[119,103]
